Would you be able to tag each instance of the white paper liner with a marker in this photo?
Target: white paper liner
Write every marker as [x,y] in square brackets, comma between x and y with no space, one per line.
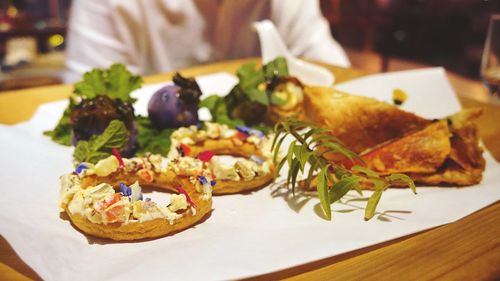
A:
[246,235]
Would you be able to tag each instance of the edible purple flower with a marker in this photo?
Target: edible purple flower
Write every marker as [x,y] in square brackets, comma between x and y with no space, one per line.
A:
[250,131]
[212,183]
[257,133]
[80,168]
[202,180]
[125,190]
[243,129]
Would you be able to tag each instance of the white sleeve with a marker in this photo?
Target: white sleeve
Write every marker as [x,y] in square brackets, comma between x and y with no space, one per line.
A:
[93,39]
[306,32]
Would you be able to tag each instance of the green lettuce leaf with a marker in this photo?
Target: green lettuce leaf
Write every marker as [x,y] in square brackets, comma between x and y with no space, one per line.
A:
[62,132]
[99,147]
[218,109]
[276,67]
[116,82]
[150,139]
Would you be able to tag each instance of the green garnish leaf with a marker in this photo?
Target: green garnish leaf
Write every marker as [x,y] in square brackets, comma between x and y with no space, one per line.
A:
[275,100]
[304,150]
[150,139]
[367,171]
[371,206]
[344,185]
[248,101]
[99,147]
[210,102]
[249,80]
[395,178]
[116,82]
[93,84]
[324,195]
[249,76]
[114,136]
[219,112]
[62,132]
[256,95]
[276,67]
[84,152]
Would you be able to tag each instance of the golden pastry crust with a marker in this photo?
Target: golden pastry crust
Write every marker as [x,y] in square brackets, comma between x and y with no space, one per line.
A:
[122,225]
[446,152]
[234,144]
[359,122]
[225,147]
[421,152]
[144,230]
[390,140]
[229,187]
[165,179]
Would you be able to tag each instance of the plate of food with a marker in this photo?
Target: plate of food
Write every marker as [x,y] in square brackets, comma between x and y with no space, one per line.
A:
[225,177]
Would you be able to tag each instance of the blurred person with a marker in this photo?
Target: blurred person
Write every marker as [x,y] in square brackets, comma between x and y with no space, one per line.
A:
[152,36]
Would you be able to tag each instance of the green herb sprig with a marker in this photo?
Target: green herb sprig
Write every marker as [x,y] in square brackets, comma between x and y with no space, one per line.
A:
[150,139]
[100,147]
[247,103]
[333,180]
[116,82]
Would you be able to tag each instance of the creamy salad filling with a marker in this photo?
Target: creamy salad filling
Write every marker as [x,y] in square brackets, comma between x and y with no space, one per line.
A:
[243,169]
[102,205]
[215,168]
[103,168]
[192,134]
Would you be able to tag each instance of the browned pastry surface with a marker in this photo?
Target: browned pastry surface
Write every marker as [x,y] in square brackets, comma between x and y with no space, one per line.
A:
[390,140]
[359,122]
[142,230]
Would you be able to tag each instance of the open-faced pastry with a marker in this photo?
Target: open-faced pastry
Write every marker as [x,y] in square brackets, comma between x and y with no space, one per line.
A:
[101,211]
[200,148]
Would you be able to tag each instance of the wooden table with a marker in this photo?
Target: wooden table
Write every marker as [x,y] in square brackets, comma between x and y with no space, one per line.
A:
[468,249]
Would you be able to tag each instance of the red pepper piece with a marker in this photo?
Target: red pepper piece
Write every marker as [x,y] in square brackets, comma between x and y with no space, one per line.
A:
[241,136]
[185,149]
[116,153]
[183,192]
[205,156]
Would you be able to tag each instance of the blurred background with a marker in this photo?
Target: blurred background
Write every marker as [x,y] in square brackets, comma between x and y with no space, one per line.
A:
[378,35]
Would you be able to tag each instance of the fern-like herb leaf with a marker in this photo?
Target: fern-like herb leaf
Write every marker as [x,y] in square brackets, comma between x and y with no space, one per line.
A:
[309,148]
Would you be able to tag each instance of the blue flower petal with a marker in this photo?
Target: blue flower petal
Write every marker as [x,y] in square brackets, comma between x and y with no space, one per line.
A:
[243,129]
[80,168]
[257,133]
[257,159]
[125,190]
[202,180]
[250,131]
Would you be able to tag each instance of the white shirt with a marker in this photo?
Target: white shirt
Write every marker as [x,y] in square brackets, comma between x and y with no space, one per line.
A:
[152,36]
